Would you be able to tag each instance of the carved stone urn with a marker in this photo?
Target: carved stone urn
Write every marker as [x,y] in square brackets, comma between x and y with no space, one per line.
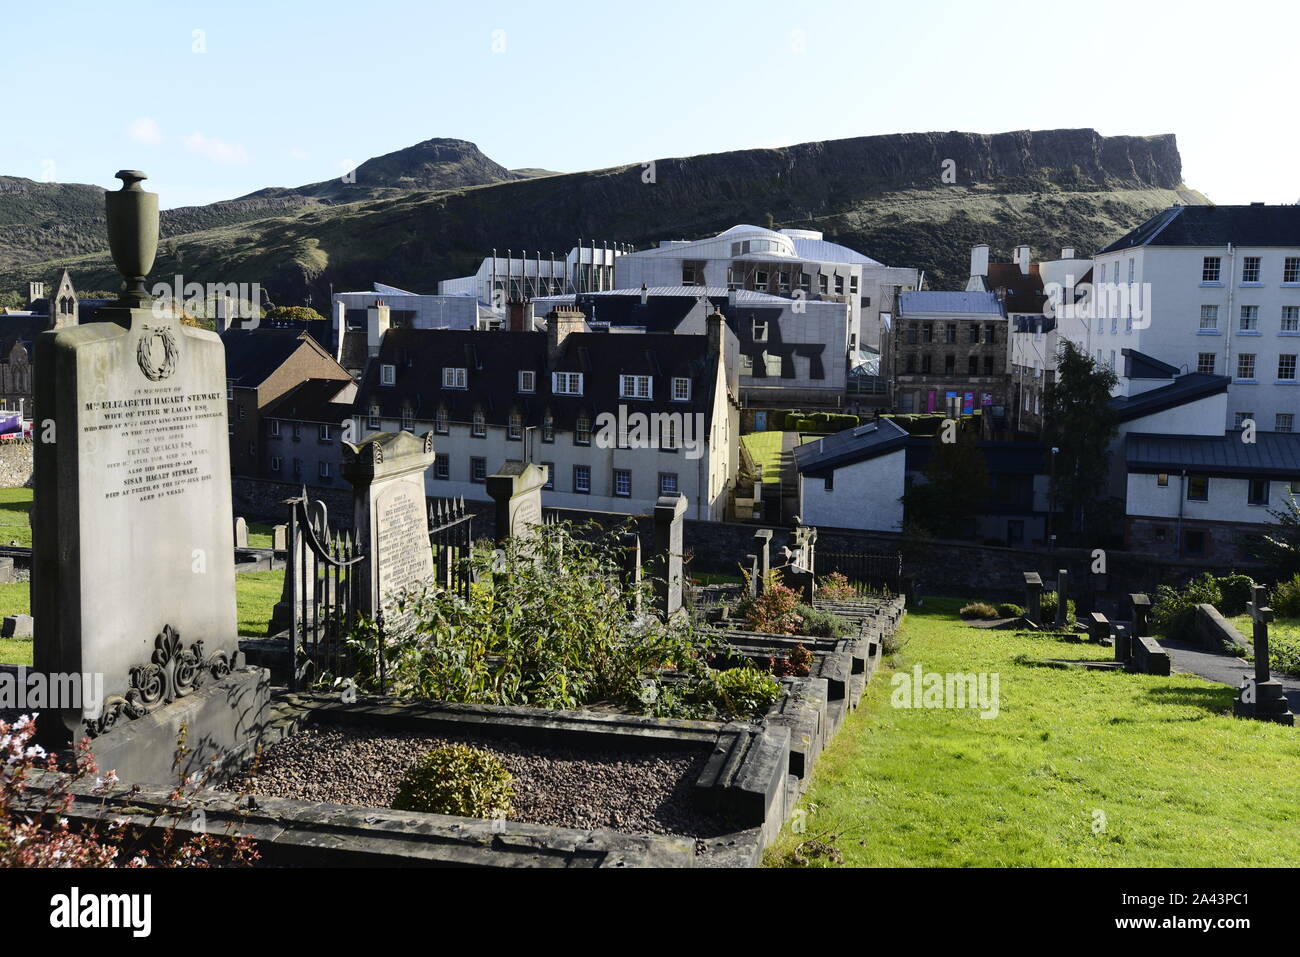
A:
[132,234]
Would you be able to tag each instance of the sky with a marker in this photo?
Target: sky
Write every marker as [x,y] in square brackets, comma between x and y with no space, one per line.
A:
[215,100]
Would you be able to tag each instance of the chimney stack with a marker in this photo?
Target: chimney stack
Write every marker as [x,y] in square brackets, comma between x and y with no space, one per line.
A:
[1067,252]
[713,327]
[559,323]
[377,320]
[521,316]
[35,290]
[979,260]
[1022,259]
[645,294]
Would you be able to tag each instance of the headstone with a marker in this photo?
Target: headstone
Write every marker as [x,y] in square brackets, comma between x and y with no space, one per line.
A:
[17,626]
[133,573]
[1034,598]
[516,488]
[1262,697]
[1062,599]
[1149,658]
[280,538]
[1141,609]
[241,532]
[389,515]
[1099,629]
[668,513]
[631,553]
[6,571]
[751,566]
[762,545]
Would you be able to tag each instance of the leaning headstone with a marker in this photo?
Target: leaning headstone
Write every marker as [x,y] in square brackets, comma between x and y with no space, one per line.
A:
[1034,598]
[516,488]
[241,532]
[280,538]
[668,513]
[17,626]
[389,515]
[1062,599]
[1262,697]
[133,573]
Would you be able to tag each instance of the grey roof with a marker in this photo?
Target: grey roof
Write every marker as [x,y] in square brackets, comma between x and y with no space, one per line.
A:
[1139,365]
[1185,388]
[848,447]
[1254,225]
[942,301]
[823,250]
[1271,455]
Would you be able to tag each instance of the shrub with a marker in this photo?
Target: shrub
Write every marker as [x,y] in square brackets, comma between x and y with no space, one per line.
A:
[979,610]
[821,623]
[836,587]
[1008,610]
[892,643]
[1172,611]
[459,780]
[740,692]
[1235,590]
[1048,603]
[1286,598]
[775,611]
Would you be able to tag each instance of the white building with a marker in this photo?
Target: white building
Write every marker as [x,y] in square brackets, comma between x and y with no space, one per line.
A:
[500,280]
[855,478]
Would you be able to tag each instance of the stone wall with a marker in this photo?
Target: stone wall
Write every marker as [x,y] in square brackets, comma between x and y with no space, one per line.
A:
[15,464]
[263,500]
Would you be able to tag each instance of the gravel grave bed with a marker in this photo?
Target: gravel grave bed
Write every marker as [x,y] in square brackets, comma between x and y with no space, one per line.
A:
[645,792]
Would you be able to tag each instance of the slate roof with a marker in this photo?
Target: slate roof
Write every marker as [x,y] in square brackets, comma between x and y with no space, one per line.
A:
[1024,291]
[493,361]
[1271,455]
[1139,365]
[849,447]
[1185,388]
[1216,226]
[312,400]
[252,355]
[912,304]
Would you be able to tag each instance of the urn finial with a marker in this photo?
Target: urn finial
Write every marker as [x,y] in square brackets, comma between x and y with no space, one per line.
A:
[132,215]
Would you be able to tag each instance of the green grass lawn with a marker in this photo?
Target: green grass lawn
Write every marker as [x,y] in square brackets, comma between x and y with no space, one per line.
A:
[765,447]
[15,516]
[259,535]
[1283,641]
[1179,784]
[255,596]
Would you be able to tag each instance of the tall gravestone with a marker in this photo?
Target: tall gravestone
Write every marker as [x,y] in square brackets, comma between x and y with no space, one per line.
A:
[390,515]
[762,548]
[516,488]
[1262,696]
[1062,600]
[1033,598]
[668,514]
[133,572]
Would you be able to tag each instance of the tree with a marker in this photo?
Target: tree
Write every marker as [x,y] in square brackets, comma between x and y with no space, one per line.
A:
[1080,423]
[1280,545]
[956,486]
[292,312]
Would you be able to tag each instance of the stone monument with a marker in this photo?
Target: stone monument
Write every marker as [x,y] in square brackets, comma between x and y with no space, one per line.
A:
[390,515]
[133,573]
[516,488]
[668,513]
[1262,697]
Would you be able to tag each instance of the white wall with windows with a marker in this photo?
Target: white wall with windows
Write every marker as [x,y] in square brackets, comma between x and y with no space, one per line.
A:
[865,495]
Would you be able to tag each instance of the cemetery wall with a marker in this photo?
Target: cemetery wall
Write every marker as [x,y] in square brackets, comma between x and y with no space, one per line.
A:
[263,500]
[15,464]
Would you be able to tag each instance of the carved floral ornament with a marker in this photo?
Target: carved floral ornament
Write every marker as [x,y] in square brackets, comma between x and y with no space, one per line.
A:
[172,673]
[157,353]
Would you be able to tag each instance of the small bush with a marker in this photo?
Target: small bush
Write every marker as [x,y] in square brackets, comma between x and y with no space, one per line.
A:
[979,610]
[1235,590]
[456,780]
[1173,611]
[820,623]
[1286,598]
[1008,610]
[836,587]
[891,644]
[1048,605]
[740,692]
[775,611]
[797,664]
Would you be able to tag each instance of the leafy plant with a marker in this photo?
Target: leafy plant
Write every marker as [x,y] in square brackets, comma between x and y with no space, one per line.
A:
[1008,610]
[739,692]
[774,610]
[979,610]
[821,623]
[1173,611]
[1286,598]
[1235,592]
[797,664]
[1048,602]
[457,779]
[836,587]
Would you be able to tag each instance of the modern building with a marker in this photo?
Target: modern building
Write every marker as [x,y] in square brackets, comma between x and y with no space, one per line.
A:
[1209,289]
[618,420]
[500,280]
[950,345]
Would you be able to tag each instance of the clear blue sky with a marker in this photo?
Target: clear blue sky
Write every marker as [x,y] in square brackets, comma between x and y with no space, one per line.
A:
[288,92]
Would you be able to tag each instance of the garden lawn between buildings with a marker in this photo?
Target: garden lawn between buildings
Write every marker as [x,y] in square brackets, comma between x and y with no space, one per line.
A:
[1079,767]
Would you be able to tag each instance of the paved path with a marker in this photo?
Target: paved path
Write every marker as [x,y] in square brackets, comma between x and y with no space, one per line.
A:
[1223,668]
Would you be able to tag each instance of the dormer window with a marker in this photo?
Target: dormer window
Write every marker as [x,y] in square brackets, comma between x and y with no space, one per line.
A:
[527,380]
[454,378]
[681,390]
[635,387]
[566,383]
[387,374]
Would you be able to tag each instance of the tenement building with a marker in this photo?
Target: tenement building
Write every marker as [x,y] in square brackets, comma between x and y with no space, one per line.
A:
[950,345]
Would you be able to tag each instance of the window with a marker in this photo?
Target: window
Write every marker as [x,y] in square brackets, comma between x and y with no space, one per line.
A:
[1250,268]
[690,275]
[1205,363]
[1194,543]
[823,283]
[243,413]
[925,364]
[1257,494]
[760,279]
[1291,318]
[297,467]
[1284,422]
[230,391]
[323,434]
[1246,365]
[990,333]
[441,422]
[1198,488]
[373,421]
[1249,319]
[783,281]
[635,387]
[927,333]
[582,430]
[550,476]
[582,479]
[408,417]
[949,364]
[453,378]
[1131,266]
[515,430]
[387,374]
[758,328]
[275,428]
[1243,417]
[548,428]
[323,470]
[527,380]
[911,363]
[988,365]
[478,429]
[1209,317]
[275,463]
[805,282]
[442,466]
[839,285]
[972,365]
[478,469]
[681,390]
[297,431]
[1291,269]
[667,483]
[973,334]
[1286,368]
[566,383]
[853,285]
[1210,269]
[911,335]
[735,277]
[950,333]
[622,483]
[1162,480]
[746,364]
